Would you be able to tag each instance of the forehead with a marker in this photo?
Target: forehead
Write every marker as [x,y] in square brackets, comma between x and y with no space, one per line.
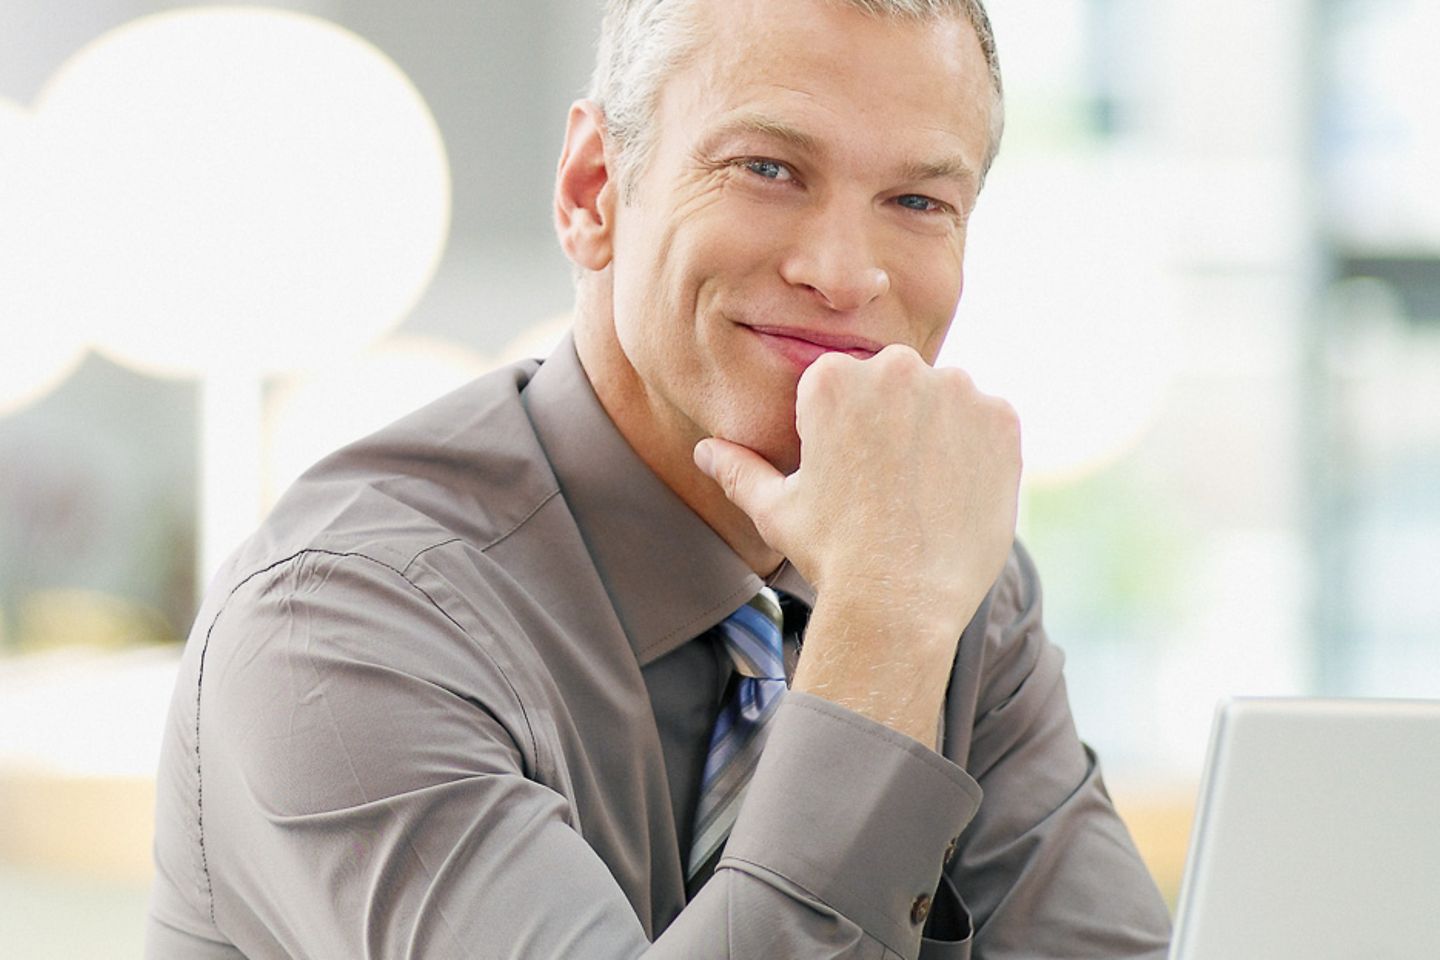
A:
[836,73]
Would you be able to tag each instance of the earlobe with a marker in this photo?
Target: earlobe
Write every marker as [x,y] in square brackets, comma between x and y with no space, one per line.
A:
[584,192]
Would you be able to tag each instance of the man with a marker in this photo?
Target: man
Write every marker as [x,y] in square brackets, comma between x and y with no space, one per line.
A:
[474,689]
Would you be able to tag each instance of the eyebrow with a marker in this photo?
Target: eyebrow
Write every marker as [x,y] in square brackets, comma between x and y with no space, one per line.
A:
[945,168]
[757,123]
[949,168]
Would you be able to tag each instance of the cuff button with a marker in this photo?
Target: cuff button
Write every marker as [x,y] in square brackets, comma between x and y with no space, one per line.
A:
[950,851]
[920,909]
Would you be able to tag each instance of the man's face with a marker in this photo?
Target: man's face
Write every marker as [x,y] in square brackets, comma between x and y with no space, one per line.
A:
[812,173]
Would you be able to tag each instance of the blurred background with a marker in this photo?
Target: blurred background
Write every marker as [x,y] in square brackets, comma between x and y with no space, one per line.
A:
[1206,270]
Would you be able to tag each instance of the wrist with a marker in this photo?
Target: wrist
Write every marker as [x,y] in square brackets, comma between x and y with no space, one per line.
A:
[888,662]
[926,610]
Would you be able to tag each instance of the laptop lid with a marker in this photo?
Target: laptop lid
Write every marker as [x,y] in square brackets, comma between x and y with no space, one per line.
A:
[1317,833]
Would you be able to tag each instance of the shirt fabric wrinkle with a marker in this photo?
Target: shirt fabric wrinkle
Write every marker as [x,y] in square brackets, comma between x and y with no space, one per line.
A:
[539,606]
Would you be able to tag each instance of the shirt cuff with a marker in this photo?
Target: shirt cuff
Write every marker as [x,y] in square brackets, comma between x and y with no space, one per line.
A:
[855,814]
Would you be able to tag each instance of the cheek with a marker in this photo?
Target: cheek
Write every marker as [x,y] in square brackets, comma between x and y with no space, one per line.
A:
[643,294]
[711,269]
[934,338]
[733,234]
[932,292]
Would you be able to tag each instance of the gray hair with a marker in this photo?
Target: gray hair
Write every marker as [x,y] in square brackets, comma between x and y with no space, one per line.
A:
[643,41]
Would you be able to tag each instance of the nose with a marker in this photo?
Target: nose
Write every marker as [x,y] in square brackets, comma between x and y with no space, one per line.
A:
[833,258]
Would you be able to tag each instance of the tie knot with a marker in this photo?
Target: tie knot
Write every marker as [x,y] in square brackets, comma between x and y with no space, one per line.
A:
[753,635]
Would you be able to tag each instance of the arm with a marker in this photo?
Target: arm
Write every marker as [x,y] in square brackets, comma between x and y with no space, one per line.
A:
[372,786]
[902,513]
[1046,868]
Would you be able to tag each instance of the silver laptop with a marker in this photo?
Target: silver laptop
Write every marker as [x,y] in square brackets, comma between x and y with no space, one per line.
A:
[1317,834]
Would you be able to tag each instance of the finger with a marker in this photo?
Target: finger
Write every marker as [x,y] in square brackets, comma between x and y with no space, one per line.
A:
[747,478]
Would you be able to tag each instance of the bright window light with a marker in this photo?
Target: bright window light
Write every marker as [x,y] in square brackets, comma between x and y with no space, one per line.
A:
[230,193]
[1067,312]
[38,347]
[244,190]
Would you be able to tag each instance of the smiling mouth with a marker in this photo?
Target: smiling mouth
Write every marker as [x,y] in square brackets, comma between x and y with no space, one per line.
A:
[808,345]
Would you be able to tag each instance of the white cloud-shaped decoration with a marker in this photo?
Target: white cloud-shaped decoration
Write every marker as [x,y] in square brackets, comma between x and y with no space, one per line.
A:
[235,192]
[1069,308]
[37,349]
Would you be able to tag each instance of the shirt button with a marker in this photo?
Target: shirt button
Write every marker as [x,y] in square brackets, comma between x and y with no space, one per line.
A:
[920,909]
[950,851]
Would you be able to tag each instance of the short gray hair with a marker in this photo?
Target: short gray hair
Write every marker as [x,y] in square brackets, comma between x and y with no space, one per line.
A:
[643,41]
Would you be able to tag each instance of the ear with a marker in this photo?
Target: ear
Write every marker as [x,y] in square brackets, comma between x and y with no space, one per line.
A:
[584,190]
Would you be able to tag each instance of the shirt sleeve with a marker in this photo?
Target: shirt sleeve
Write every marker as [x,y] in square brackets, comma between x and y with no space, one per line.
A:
[364,786]
[1046,869]
[848,817]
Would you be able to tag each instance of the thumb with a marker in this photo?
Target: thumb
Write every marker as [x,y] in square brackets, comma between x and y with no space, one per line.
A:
[747,478]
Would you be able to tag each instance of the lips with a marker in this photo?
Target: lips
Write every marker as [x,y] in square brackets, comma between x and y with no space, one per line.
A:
[805,346]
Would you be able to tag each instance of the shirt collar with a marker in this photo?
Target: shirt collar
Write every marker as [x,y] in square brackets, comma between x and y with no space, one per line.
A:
[669,576]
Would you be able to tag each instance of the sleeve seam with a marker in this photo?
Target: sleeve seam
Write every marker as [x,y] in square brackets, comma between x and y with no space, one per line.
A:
[205,646]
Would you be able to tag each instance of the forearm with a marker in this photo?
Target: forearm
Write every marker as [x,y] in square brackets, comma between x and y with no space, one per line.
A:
[850,819]
[901,543]
[890,672]
[330,831]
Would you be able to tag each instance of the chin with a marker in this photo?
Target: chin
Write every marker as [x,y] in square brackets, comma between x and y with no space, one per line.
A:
[767,428]
[779,448]
[781,453]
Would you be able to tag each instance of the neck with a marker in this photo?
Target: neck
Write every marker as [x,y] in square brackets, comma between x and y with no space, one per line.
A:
[661,436]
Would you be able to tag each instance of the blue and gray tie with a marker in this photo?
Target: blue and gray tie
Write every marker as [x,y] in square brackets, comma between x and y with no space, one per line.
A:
[752,636]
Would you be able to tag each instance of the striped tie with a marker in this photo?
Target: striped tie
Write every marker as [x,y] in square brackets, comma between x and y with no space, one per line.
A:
[752,637]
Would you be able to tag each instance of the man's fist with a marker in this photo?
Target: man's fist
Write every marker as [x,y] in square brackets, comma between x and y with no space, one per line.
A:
[901,514]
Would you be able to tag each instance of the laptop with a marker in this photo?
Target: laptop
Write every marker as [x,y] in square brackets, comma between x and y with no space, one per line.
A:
[1317,834]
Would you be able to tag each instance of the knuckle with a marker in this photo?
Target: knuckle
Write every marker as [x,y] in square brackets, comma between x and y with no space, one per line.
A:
[898,356]
[729,476]
[823,370]
[1003,412]
[899,365]
[1005,423]
[957,381]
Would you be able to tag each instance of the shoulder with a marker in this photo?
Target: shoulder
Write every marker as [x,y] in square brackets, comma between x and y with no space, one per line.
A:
[373,570]
[1014,603]
[1007,633]
[361,636]
[1005,660]
[466,467]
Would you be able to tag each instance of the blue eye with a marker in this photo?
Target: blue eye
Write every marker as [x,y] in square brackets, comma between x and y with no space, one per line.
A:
[913,201]
[768,169]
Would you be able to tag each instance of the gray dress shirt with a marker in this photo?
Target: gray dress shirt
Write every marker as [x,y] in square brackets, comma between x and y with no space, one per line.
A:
[453,699]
